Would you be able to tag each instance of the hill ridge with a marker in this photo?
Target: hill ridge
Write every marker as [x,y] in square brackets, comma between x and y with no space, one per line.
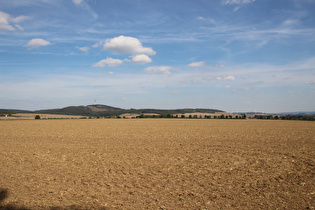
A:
[109,111]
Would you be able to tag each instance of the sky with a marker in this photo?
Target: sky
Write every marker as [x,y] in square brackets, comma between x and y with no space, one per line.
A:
[232,55]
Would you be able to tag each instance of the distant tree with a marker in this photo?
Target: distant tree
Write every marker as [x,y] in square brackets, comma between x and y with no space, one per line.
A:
[183,116]
[222,116]
[37,117]
[230,116]
[214,117]
[190,116]
[276,117]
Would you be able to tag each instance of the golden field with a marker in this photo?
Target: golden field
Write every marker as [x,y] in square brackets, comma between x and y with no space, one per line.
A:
[157,164]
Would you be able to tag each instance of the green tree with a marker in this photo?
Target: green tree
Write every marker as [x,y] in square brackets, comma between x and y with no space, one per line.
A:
[37,117]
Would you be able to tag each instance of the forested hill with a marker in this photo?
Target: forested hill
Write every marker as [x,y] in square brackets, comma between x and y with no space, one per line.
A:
[109,111]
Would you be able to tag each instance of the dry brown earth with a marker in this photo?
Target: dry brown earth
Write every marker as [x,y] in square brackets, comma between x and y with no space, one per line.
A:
[157,164]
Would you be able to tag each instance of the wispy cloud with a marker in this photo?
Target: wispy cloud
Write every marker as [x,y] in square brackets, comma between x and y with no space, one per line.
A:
[237,2]
[158,69]
[6,21]
[83,49]
[196,64]
[77,2]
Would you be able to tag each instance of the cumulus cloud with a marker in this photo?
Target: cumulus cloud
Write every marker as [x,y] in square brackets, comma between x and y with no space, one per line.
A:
[158,69]
[141,59]
[6,20]
[35,43]
[196,64]
[83,49]
[108,61]
[238,2]
[125,44]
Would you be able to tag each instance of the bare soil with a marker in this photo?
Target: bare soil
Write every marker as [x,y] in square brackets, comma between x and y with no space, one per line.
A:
[157,164]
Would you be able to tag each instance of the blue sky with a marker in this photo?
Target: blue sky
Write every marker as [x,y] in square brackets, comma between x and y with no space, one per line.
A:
[233,55]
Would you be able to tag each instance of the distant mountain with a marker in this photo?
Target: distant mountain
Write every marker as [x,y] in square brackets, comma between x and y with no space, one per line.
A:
[12,111]
[298,113]
[99,110]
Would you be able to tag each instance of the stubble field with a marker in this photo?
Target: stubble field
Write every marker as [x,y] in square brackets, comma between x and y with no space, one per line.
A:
[157,164]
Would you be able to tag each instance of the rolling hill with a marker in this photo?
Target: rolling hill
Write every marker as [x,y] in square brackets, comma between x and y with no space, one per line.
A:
[99,110]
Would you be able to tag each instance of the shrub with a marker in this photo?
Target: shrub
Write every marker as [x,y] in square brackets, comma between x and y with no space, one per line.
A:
[37,117]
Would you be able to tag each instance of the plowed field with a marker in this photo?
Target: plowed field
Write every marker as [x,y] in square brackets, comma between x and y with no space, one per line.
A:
[157,164]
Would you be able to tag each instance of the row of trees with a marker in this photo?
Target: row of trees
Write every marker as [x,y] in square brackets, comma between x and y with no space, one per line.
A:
[192,116]
[286,117]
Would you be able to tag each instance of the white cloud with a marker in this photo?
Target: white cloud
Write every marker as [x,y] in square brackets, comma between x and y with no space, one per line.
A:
[141,59]
[85,6]
[108,61]
[20,18]
[5,20]
[83,49]
[196,64]
[97,44]
[35,43]
[238,1]
[111,73]
[77,2]
[229,78]
[124,44]
[158,69]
